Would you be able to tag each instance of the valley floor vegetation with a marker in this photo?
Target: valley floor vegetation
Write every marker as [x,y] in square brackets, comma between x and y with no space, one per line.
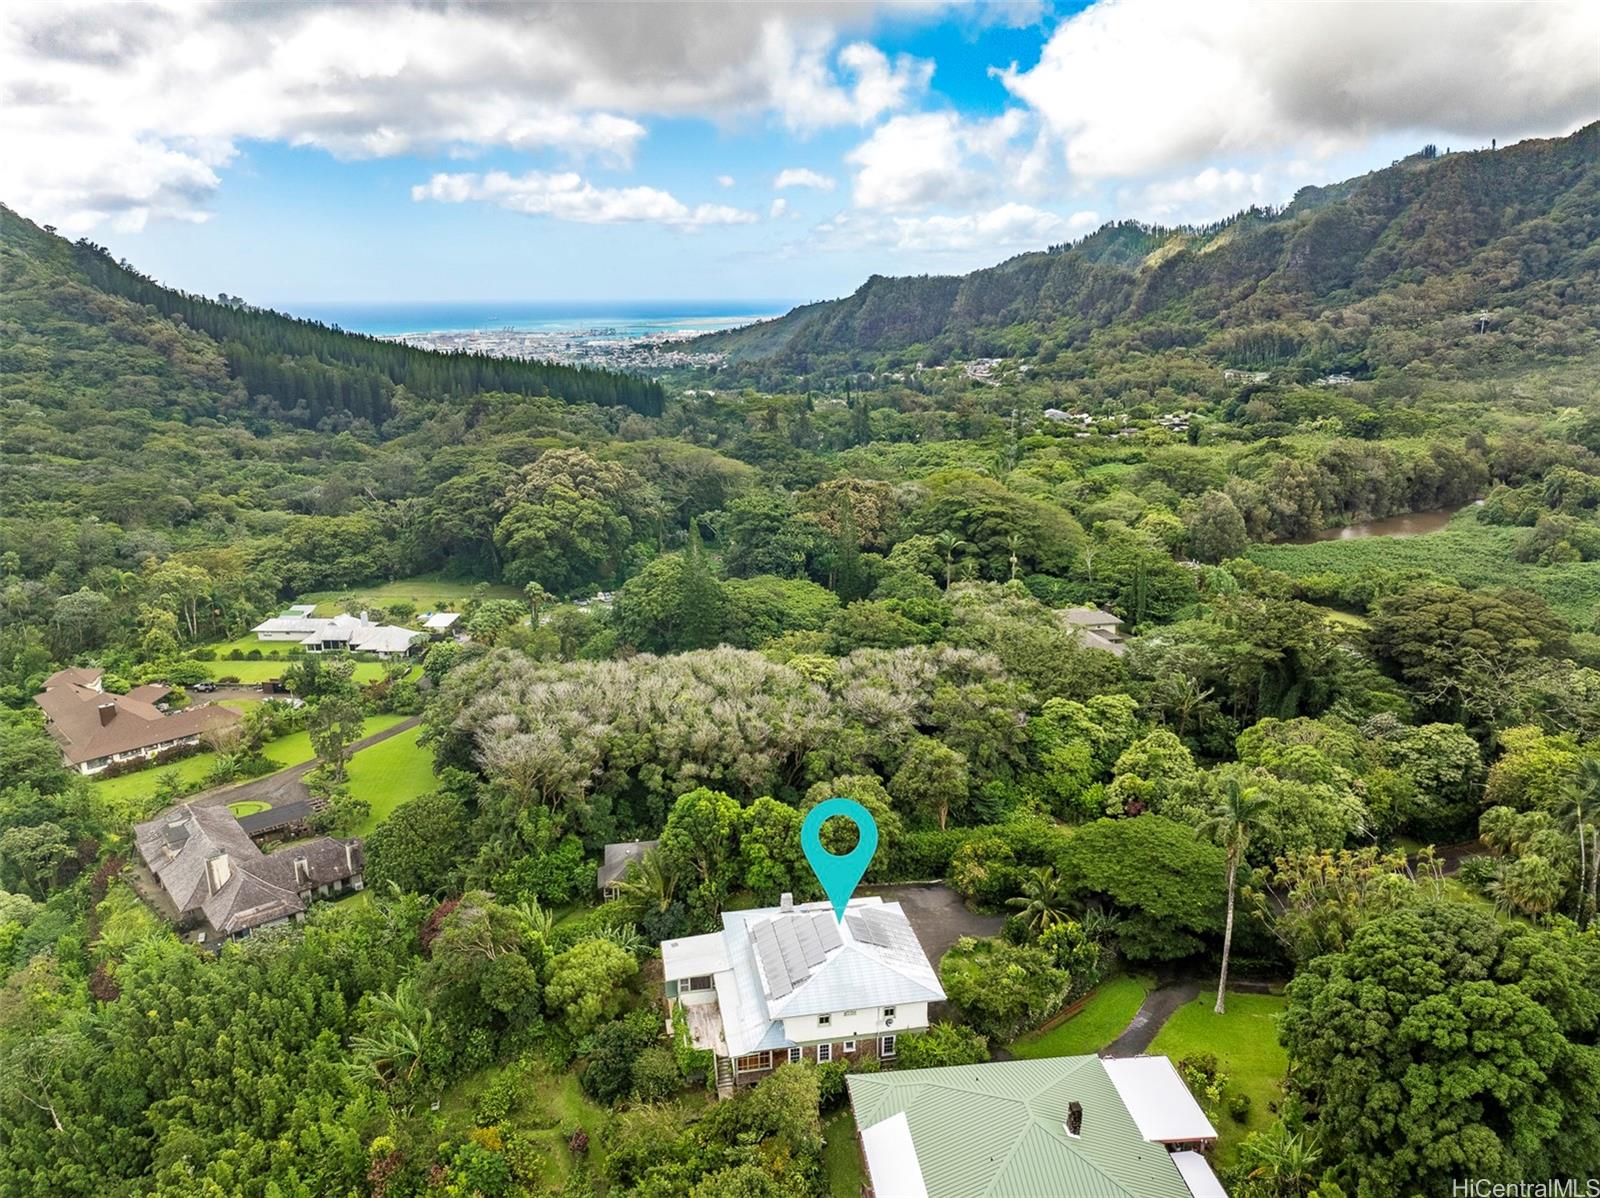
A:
[854,577]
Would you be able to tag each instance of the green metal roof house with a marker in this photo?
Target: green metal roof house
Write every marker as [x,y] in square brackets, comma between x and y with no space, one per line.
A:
[1065,1127]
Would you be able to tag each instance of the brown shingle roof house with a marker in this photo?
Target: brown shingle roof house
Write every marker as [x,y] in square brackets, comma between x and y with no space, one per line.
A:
[96,729]
[219,879]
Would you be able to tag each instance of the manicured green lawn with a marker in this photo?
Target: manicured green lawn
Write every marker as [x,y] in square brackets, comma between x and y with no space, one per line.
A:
[1245,1043]
[132,792]
[250,673]
[391,772]
[427,592]
[247,807]
[841,1161]
[1101,1021]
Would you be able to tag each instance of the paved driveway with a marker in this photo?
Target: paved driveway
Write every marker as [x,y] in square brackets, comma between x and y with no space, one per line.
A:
[938,916]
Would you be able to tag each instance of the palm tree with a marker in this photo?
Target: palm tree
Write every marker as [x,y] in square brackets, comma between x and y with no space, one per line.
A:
[393,1047]
[1287,1161]
[536,921]
[650,884]
[1099,925]
[1042,904]
[537,597]
[1577,812]
[948,543]
[1229,825]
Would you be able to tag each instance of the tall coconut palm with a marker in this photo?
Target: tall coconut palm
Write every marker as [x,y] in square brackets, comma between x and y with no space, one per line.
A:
[948,544]
[1042,904]
[1579,813]
[1230,825]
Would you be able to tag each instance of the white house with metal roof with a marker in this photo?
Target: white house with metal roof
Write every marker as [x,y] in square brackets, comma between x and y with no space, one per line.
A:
[355,633]
[793,983]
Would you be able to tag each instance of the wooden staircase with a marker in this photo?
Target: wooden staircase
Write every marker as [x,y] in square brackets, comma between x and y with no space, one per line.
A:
[724,1077]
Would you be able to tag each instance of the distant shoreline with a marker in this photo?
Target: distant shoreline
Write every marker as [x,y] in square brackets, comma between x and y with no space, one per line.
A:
[620,320]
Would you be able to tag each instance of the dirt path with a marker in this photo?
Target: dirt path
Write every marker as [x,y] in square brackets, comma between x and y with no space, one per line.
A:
[288,786]
[1152,1015]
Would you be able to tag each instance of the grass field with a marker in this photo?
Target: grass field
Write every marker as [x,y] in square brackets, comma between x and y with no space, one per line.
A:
[1101,1021]
[427,592]
[391,772]
[1474,554]
[841,1161]
[248,807]
[251,673]
[1245,1043]
[134,790]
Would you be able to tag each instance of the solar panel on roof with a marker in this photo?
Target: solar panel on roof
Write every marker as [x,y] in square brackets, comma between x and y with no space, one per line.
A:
[827,929]
[861,929]
[772,964]
[793,957]
[810,943]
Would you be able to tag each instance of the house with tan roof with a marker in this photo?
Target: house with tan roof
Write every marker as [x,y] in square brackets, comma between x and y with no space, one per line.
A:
[97,729]
[794,983]
[1084,1126]
[222,886]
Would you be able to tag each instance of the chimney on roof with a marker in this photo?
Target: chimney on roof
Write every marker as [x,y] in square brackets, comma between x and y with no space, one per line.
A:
[350,856]
[786,902]
[1074,1118]
[302,870]
[108,712]
[218,871]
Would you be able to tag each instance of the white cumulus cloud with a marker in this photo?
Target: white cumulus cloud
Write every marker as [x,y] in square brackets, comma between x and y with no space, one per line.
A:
[1139,88]
[132,111]
[566,195]
[800,176]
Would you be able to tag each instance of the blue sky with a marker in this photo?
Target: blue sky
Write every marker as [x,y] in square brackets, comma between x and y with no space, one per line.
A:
[331,153]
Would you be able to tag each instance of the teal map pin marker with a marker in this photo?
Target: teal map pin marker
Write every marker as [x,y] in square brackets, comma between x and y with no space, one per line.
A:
[839,875]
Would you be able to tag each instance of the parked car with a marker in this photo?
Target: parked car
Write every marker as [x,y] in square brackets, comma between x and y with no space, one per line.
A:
[203,688]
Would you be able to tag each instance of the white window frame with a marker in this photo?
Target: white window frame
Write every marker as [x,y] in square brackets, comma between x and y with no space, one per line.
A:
[796,1055]
[849,1046]
[887,1046]
[824,1053]
[824,1020]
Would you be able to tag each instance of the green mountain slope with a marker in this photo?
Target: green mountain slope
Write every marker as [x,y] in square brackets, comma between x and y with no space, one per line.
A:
[1376,271]
[217,359]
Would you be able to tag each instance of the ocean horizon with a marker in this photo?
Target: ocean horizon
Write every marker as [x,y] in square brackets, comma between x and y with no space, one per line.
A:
[630,318]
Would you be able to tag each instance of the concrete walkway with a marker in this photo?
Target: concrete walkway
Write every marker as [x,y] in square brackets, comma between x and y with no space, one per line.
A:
[288,785]
[1158,1007]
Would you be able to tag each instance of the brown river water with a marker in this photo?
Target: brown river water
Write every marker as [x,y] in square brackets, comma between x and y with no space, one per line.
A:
[1412,524]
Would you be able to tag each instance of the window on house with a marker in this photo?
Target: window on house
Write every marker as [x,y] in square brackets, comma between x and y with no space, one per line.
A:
[700,983]
[849,1046]
[886,1047]
[795,1055]
[824,1053]
[888,1012]
[754,1062]
[824,1020]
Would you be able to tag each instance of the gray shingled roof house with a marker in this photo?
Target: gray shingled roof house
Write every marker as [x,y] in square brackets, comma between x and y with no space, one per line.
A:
[222,883]
[614,866]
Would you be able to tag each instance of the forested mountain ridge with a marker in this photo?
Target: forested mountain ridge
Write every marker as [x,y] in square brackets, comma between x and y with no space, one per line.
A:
[274,366]
[1374,271]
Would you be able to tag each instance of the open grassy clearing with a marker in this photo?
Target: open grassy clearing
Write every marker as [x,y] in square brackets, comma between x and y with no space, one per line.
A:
[390,773]
[1245,1043]
[1474,554]
[1099,1023]
[427,592]
[248,807]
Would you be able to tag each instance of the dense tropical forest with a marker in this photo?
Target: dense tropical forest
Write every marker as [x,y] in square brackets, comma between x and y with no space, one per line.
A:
[1358,777]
